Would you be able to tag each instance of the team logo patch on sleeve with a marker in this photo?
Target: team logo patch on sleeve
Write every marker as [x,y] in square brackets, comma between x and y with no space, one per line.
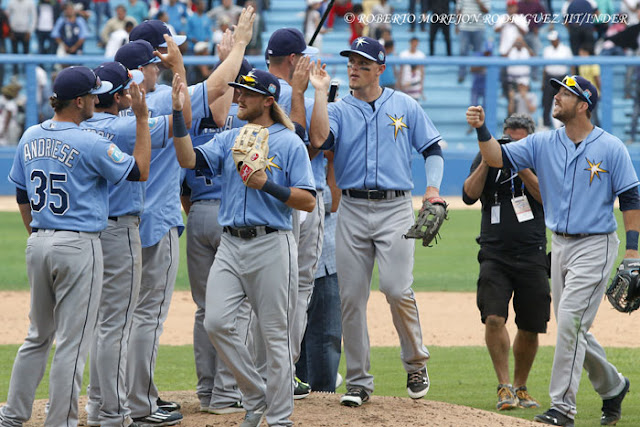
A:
[115,154]
[153,121]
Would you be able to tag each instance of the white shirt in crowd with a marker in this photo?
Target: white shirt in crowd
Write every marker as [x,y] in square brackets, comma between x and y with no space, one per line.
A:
[22,15]
[511,27]
[561,52]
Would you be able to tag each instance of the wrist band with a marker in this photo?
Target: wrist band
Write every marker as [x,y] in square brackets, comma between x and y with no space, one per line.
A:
[280,192]
[179,127]
[632,240]
[483,133]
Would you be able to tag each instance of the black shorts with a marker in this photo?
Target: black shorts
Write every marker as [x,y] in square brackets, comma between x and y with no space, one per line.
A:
[524,277]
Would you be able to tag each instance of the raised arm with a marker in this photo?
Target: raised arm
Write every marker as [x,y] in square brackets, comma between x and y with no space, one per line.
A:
[319,128]
[142,149]
[185,153]
[489,147]
[174,61]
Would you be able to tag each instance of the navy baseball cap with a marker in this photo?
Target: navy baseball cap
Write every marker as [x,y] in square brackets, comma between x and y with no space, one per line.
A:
[119,76]
[259,81]
[580,87]
[286,41]
[153,31]
[136,54]
[368,48]
[78,81]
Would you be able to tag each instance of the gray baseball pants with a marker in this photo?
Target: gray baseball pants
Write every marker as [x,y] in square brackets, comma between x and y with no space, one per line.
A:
[216,386]
[369,230]
[159,271]
[580,269]
[264,270]
[65,274]
[121,284]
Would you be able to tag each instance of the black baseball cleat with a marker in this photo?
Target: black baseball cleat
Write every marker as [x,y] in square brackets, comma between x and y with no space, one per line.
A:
[555,418]
[612,408]
[418,383]
[166,405]
[355,397]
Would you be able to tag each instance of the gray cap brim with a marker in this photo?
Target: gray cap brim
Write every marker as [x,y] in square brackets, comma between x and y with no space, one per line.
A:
[253,89]
[357,52]
[176,38]
[310,50]
[137,78]
[105,87]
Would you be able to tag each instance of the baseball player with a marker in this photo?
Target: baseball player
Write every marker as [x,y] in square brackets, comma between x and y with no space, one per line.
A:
[61,175]
[285,52]
[581,169]
[513,261]
[161,222]
[257,256]
[372,132]
[121,248]
[217,389]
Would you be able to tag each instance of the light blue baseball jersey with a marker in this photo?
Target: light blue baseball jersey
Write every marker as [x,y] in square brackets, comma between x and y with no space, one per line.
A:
[163,210]
[203,185]
[127,198]
[373,146]
[64,171]
[578,184]
[317,163]
[288,165]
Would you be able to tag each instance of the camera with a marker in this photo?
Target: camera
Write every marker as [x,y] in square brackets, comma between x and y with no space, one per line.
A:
[504,139]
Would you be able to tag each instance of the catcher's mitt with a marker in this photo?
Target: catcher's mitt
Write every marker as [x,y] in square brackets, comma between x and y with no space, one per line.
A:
[624,291]
[250,150]
[433,213]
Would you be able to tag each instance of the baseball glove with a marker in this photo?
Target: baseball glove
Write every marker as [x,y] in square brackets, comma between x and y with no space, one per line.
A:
[250,150]
[624,291]
[433,213]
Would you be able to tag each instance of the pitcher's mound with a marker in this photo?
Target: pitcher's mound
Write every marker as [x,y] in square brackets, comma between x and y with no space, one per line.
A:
[324,410]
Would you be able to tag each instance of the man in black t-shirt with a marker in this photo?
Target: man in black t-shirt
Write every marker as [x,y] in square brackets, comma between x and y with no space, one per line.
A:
[513,261]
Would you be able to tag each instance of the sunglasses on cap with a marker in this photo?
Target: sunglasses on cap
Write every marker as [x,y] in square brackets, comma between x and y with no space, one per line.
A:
[123,85]
[570,81]
[251,82]
[96,86]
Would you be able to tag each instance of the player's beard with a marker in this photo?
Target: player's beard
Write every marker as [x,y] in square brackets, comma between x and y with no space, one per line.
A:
[249,114]
[564,115]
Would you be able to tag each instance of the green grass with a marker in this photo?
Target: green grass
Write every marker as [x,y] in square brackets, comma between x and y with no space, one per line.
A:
[459,375]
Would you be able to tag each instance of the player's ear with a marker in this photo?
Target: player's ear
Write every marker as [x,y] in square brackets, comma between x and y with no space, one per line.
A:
[381,69]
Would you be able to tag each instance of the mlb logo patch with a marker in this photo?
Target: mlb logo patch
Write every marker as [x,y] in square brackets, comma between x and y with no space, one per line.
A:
[115,154]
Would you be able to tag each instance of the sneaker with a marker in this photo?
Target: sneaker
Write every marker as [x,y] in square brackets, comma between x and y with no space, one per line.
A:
[525,400]
[232,409]
[254,418]
[159,418]
[418,383]
[355,397]
[506,397]
[555,418]
[166,405]
[612,408]
[301,389]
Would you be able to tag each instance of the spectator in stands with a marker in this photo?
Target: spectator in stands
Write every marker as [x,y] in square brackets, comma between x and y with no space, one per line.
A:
[510,26]
[479,79]
[389,76]
[199,25]
[5,32]
[118,38]
[357,26]
[380,10]
[340,7]
[22,20]
[199,73]
[412,76]
[48,12]
[439,10]
[10,128]
[424,9]
[471,33]
[116,23]
[518,73]
[533,11]
[631,9]
[177,14]
[556,50]
[605,10]
[255,45]
[521,100]
[311,20]
[636,108]
[83,9]
[579,17]
[70,32]
[226,10]
[138,10]
[590,72]
[223,25]
[102,9]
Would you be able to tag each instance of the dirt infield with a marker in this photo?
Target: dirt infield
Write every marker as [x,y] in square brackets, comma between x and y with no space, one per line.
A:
[323,410]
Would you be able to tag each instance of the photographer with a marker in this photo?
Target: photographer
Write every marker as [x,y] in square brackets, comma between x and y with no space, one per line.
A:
[513,261]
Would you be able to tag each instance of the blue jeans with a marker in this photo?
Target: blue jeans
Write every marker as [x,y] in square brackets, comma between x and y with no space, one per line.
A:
[320,351]
[101,9]
[470,41]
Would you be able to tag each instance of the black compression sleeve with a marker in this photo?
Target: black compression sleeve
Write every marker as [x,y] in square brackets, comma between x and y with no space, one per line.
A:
[629,200]
[134,174]
[432,150]
[201,162]
[21,196]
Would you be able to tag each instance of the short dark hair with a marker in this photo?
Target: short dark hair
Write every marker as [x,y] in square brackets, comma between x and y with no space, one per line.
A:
[59,104]
[520,121]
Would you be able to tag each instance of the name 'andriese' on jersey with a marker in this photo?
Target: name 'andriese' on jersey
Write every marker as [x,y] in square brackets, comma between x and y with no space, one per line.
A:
[49,148]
